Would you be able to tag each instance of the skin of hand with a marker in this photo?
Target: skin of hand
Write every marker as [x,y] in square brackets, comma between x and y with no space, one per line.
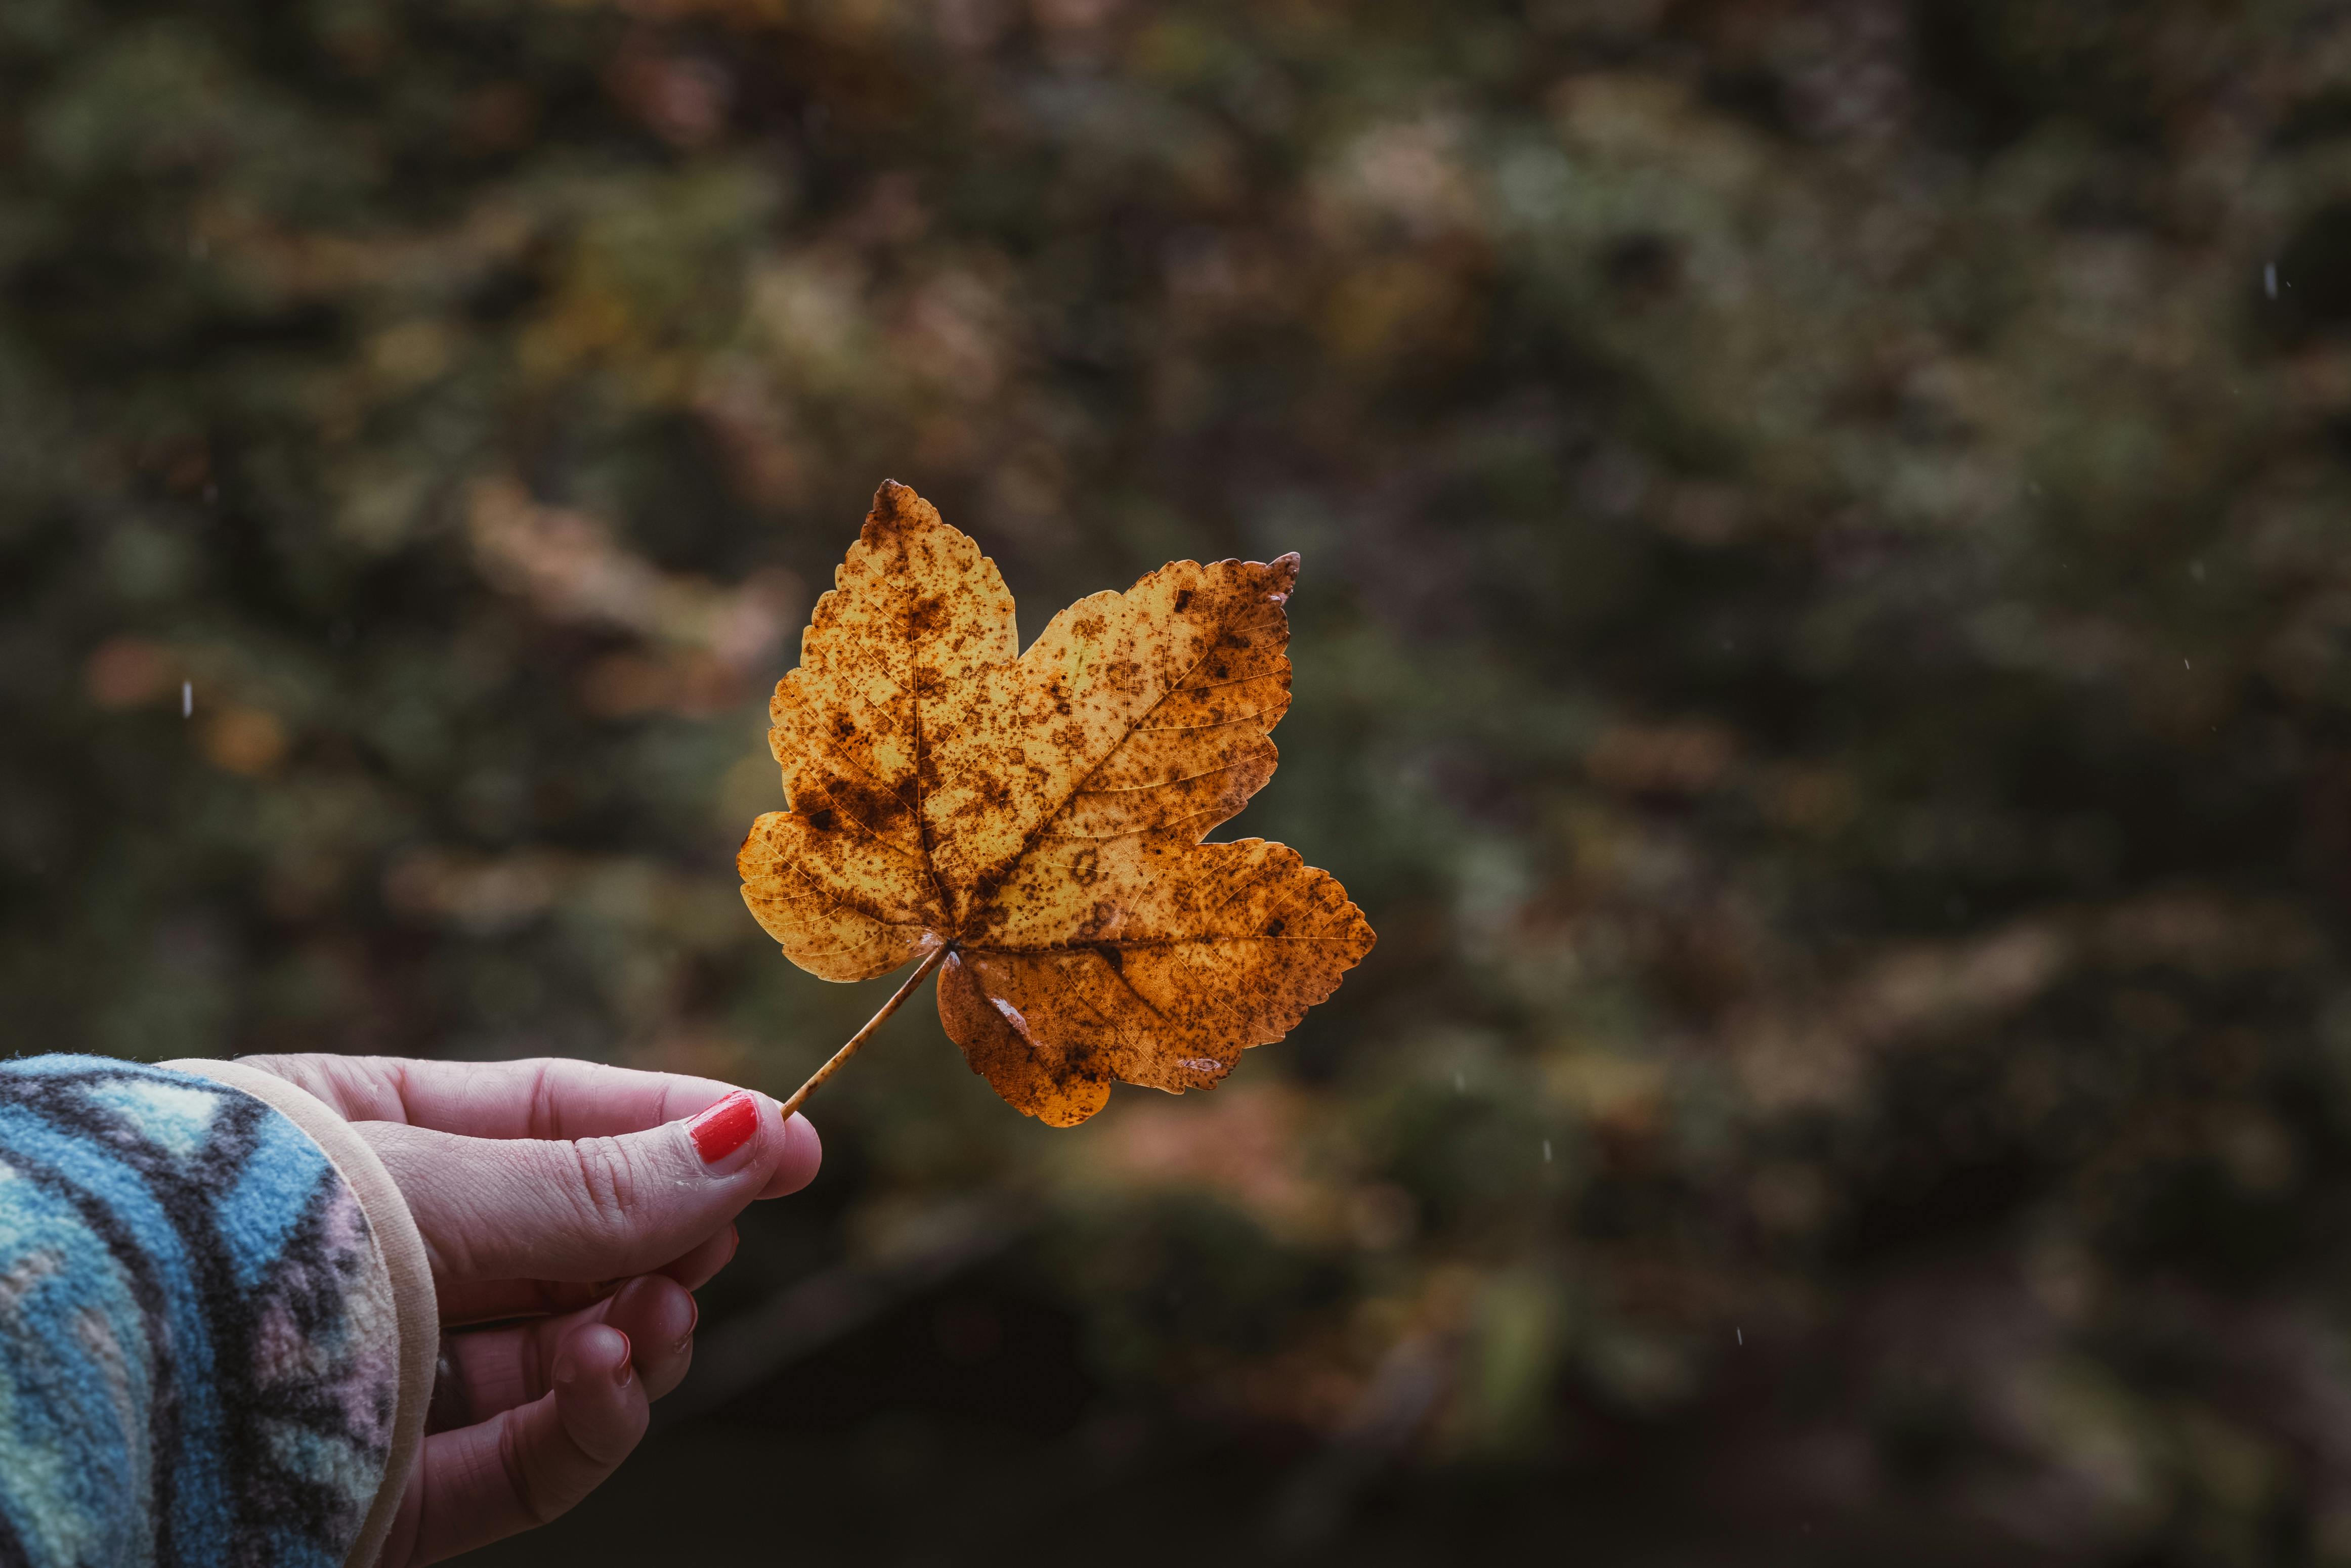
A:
[573,1204]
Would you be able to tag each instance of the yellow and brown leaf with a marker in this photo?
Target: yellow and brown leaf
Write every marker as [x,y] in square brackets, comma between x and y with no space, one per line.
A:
[1041,813]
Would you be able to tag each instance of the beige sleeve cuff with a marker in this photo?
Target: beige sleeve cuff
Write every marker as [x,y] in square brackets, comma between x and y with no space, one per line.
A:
[401,1247]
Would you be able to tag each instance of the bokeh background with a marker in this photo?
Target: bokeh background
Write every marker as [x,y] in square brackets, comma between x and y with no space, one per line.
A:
[1825,653]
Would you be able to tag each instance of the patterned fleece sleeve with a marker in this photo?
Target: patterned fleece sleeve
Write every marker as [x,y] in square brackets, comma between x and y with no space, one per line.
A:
[209,1317]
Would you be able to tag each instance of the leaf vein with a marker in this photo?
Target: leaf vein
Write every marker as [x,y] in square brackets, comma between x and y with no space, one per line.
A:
[1220,723]
[1164,783]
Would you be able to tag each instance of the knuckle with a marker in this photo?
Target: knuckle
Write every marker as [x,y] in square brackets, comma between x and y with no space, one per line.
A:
[540,1503]
[605,1447]
[544,1113]
[610,1186]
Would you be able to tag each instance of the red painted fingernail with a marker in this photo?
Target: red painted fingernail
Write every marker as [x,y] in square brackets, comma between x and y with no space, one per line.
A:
[725,1126]
[627,1369]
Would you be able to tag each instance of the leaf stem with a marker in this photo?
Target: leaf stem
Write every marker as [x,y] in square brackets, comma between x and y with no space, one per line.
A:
[799,1095]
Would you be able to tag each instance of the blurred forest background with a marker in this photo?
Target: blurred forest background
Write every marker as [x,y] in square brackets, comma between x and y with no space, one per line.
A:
[1825,652]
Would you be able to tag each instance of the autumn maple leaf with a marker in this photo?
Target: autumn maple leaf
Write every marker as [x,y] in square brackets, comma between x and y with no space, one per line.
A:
[1031,823]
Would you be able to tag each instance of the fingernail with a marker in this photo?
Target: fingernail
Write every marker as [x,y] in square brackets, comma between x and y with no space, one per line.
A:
[725,1126]
[692,1317]
[627,1369]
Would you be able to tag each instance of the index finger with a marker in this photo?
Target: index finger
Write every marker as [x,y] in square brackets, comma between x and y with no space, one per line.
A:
[537,1097]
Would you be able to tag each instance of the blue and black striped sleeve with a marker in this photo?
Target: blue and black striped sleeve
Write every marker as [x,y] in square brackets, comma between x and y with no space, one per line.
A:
[201,1355]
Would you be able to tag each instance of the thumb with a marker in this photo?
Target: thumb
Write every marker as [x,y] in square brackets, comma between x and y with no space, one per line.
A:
[590,1208]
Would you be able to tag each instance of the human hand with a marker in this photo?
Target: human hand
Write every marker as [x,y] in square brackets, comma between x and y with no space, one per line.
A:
[589,1201]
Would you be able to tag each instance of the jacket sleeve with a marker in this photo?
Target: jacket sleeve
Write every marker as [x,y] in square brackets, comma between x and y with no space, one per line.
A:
[216,1324]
